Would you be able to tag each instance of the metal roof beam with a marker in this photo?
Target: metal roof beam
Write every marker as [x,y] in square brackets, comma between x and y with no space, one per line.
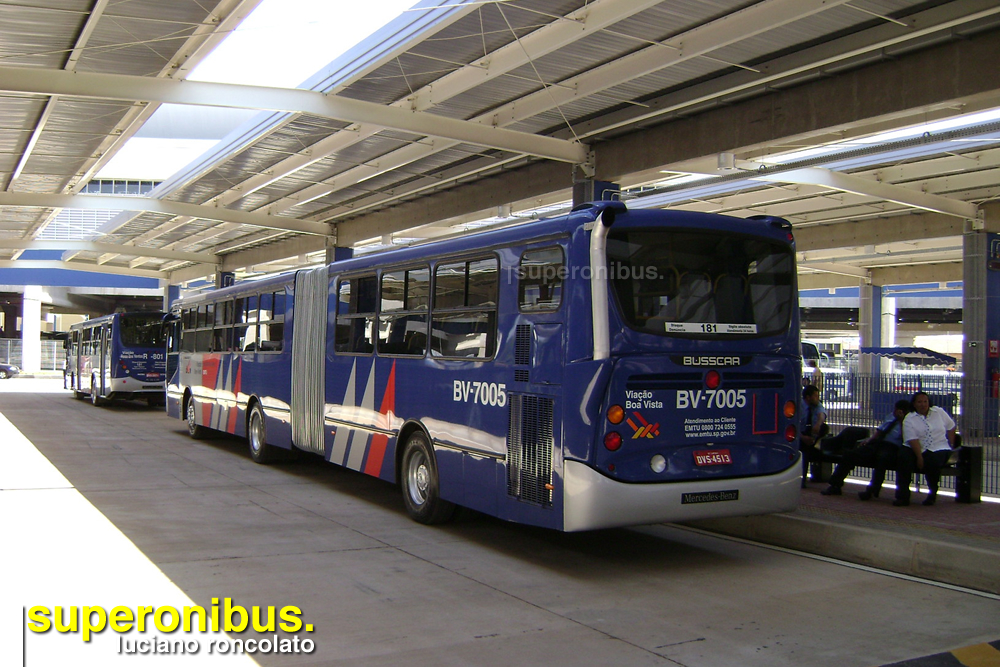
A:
[87,246]
[292,100]
[80,266]
[926,79]
[941,272]
[833,267]
[863,186]
[592,18]
[699,42]
[680,48]
[884,230]
[97,202]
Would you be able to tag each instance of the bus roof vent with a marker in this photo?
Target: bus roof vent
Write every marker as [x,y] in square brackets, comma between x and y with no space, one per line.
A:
[595,208]
[775,221]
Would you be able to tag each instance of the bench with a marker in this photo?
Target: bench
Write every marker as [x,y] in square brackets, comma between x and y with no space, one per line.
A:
[965,464]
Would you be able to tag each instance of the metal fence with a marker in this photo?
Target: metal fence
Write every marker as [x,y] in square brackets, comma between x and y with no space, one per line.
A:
[855,399]
[53,354]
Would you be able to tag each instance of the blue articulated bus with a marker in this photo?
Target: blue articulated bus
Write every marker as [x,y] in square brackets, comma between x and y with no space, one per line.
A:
[604,368]
[118,356]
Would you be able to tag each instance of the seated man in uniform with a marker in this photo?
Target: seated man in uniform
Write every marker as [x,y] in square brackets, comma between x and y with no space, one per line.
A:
[812,427]
[877,452]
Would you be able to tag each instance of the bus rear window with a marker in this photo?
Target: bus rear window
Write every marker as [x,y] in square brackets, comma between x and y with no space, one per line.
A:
[684,282]
[139,330]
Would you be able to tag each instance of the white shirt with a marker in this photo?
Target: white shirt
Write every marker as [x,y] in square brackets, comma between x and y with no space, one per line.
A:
[931,430]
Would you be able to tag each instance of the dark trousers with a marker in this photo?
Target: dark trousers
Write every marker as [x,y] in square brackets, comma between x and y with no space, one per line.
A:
[879,456]
[810,453]
[933,463]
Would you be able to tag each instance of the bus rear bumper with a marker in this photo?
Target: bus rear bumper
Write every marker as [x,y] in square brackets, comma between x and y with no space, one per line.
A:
[593,501]
[132,387]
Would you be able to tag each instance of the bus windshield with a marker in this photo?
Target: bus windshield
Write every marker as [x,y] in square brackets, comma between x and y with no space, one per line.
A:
[701,283]
[142,330]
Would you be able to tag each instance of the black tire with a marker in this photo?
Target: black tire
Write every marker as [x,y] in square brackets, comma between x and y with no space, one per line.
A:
[3,374]
[95,396]
[79,395]
[194,429]
[260,451]
[419,479]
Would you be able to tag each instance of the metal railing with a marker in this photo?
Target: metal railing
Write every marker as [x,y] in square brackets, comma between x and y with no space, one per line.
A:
[854,399]
[53,354]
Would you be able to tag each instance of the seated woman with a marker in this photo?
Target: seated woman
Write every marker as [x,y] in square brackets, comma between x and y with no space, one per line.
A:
[930,433]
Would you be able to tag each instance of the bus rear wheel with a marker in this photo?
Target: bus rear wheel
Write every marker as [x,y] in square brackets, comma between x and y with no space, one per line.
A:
[95,396]
[260,451]
[421,491]
[194,429]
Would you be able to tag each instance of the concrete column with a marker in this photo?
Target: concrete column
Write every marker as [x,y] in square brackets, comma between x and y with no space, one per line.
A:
[869,324]
[888,330]
[31,329]
[170,294]
[981,328]
[586,190]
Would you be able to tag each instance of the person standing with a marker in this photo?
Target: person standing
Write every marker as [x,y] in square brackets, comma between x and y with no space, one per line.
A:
[930,433]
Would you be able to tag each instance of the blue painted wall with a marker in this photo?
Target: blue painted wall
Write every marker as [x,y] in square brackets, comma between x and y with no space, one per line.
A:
[67,278]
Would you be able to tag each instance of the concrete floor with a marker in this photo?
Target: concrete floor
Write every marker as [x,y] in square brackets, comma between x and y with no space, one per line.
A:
[383,590]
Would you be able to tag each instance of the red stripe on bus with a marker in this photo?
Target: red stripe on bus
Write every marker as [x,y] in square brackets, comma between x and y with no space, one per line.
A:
[379,441]
[231,428]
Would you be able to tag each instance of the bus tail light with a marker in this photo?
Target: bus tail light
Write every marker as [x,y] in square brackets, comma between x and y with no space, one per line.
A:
[790,433]
[790,409]
[616,414]
[713,379]
[123,366]
[613,441]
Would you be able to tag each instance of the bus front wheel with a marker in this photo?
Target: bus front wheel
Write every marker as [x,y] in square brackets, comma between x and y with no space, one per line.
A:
[421,492]
[260,451]
[194,430]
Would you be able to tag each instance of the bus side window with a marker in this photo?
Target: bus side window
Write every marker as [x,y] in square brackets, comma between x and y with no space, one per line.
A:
[269,329]
[230,322]
[239,324]
[464,315]
[403,312]
[189,321]
[206,320]
[276,329]
[540,280]
[246,332]
[220,331]
[355,332]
